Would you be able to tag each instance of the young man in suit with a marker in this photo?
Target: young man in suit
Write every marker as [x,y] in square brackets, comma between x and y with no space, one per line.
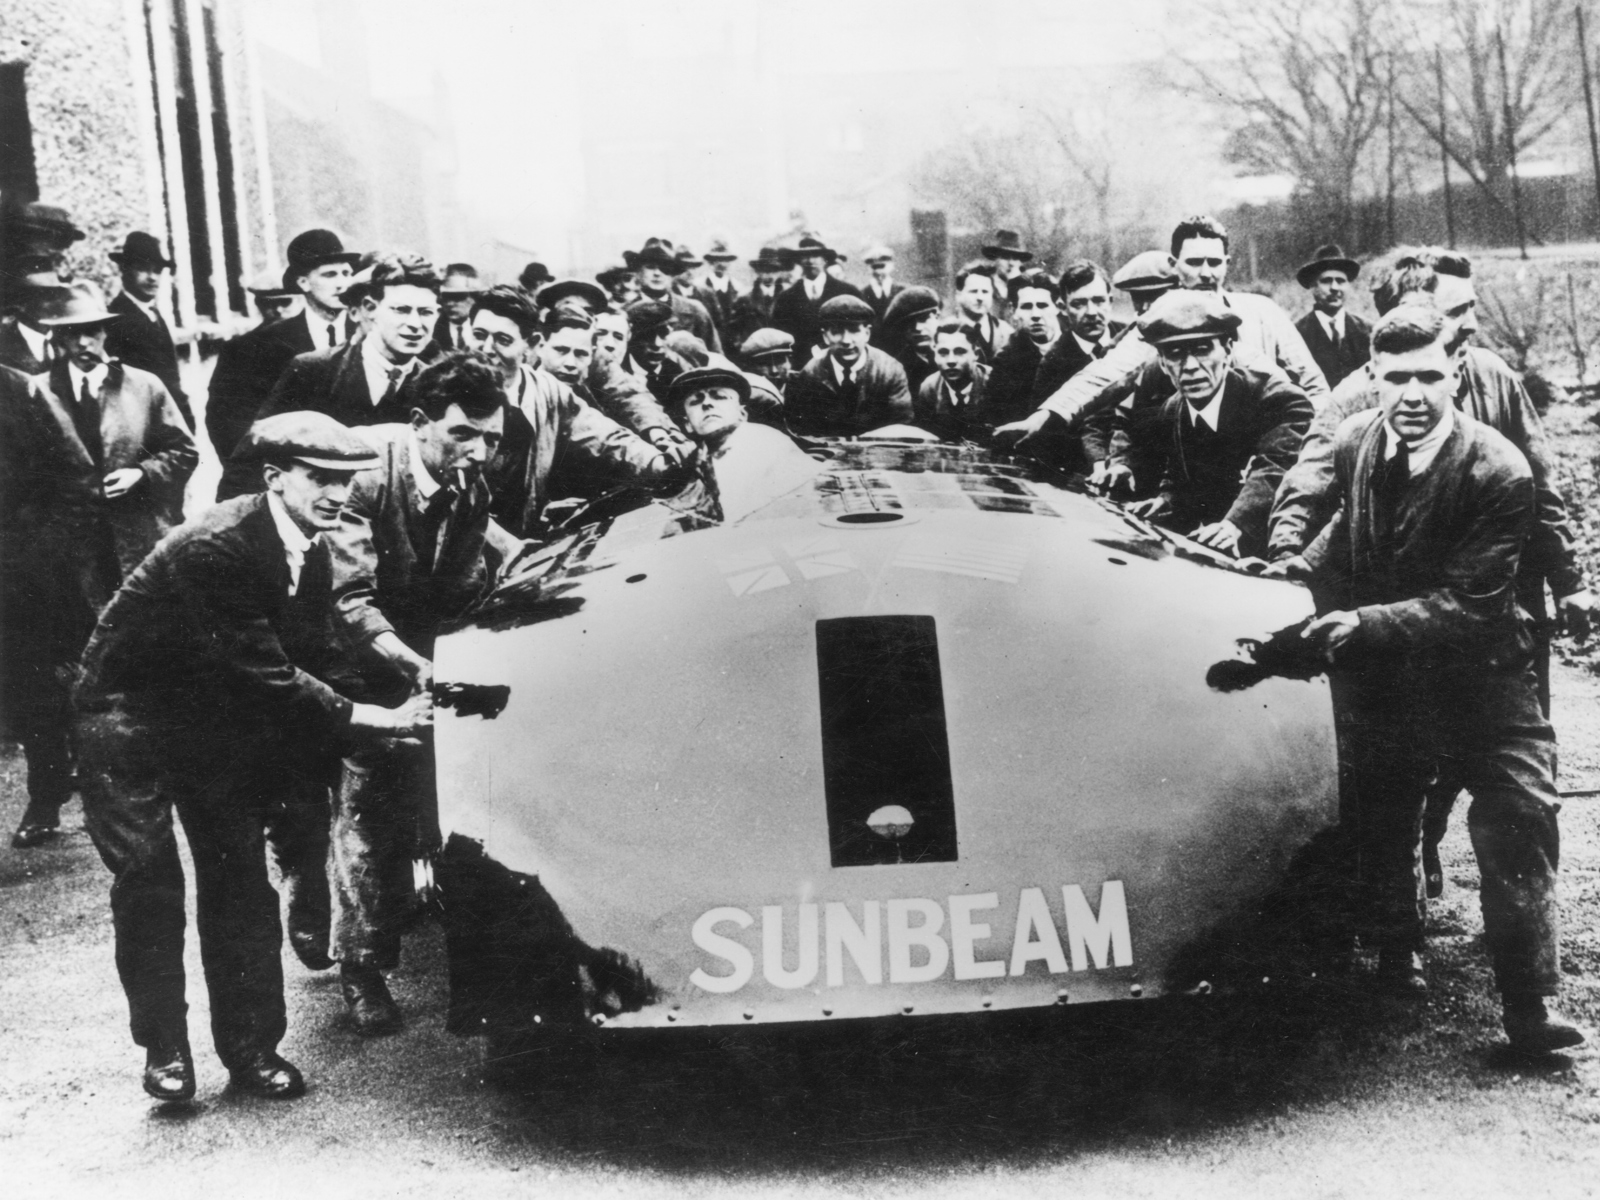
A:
[853,387]
[975,303]
[881,288]
[753,310]
[458,290]
[657,265]
[953,403]
[140,337]
[205,690]
[798,307]
[1339,341]
[103,456]
[721,290]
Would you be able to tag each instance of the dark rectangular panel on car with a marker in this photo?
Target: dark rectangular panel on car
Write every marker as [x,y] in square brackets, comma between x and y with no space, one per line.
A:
[883,740]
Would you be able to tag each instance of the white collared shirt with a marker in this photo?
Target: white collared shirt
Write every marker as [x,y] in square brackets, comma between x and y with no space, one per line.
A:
[38,341]
[839,369]
[1090,348]
[1212,412]
[1332,326]
[325,335]
[959,397]
[295,543]
[378,367]
[427,485]
[1425,449]
[814,286]
[149,310]
[96,379]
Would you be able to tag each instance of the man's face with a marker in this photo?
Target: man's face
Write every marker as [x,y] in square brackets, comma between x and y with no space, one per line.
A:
[954,356]
[653,279]
[812,265]
[84,345]
[1457,300]
[881,271]
[769,280]
[402,320]
[141,281]
[1196,367]
[1007,268]
[1415,388]
[976,295]
[313,496]
[684,284]
[276,308]
[922,331]
[1035,313]
[457,306]
[625,289]
[649,345]
[325,285]
[610,337]
[500,339]
[720,269]
[566,354]
[457,442]
[847,342]
[1329,291]
[1088,310]
[1202,264]
[775,367]
[712,412]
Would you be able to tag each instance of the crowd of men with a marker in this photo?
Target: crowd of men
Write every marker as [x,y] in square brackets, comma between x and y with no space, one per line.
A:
[394,437]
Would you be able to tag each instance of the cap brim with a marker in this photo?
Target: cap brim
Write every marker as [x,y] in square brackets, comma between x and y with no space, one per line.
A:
[338,464]
[75,322]
[1005,252]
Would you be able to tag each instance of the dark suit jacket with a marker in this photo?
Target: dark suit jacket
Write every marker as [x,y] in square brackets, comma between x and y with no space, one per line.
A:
[692,316]
[815,404]
[1059,364]
[880,304]
[140,342]
[1352,352]
[936,411]
[750,312]
[720,302]
[16,353]
[796,314]
[335,382]
[441,334]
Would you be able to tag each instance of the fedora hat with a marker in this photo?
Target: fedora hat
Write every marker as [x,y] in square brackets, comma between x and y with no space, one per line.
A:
[689,259]
[719,252]
[1327,258]
[613,274]
[811,244]
[656,252]
[1008,244]
[771,258]
[315,247]
[140,249]
[75,304]
[534,276]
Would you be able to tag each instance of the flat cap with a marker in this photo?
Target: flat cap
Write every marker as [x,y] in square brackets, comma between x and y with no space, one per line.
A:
[767,343]
[910,304]
[877,254]
[696,378]
[1148,271]
[310,437]
[590,295]
[268,285]
[845,310]
[649,314]
[1183,315]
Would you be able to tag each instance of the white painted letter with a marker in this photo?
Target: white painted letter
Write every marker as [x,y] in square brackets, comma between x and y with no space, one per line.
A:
[1033,917]
[864,941]
[902,937]
[744,963]
[963,933]
[1091,936]
[772,947]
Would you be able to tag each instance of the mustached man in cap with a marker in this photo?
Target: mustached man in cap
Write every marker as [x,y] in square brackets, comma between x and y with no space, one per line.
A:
[103,456]
[140,336]
[205,691]
[319,270]
[753,310]
[1219,434]
[459,288]
[1434,510]
[799,307]
[657,264]
[852,387]
[881,287]
[1339,340]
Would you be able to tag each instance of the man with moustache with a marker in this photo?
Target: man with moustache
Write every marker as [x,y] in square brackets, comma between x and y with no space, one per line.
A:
[1339,340]
[140,337]
[798,308]
[852,387]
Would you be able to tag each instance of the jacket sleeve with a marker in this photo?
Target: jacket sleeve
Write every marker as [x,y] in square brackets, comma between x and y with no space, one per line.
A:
[593,438]
[231,402]
[354,556]
[1551,549]
[170,454]
[1293,357]
[1102,384]
[287,393]
[896,404]
[628,402]
[1286,413]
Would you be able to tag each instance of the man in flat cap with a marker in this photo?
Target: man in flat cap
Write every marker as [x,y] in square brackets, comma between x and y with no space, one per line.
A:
[140,337]
[852,387]
[798,308]
[1434,510]
[1145,277]
[906,332]
[103,456]
[274,302]
[650,324]
[765,356]
[657,264]
[753,310]
[205,689]
[1338,339]
[457,290]
[319,270]
[881,288]
[1219,434]
[621,281]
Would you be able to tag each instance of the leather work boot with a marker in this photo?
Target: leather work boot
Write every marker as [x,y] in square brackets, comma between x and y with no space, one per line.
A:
[270,1075]
[371,1007]
[169,1073]
[1534,1029]
[311,948]
[1400,972]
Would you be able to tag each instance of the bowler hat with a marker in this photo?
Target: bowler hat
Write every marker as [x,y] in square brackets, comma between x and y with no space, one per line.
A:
[914,302]
[772,258]
[719,252]
[646,315]
[1327,258]
[686,257]
[1007,244]
[140,249]
[845,310]
[315,247]
[612,275]
[75,304]
[811,244]
[534,276]
[878,254]
[313,438]
[592,297]
[767,343]
[695,378]
[268,285]
[1184,315]
[1147,271]
[657,252]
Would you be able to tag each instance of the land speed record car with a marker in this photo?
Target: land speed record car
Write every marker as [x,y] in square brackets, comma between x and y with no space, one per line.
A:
[901,728]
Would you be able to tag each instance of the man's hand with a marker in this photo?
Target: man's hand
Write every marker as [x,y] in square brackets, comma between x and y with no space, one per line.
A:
[405,660]
[122,481]
[1018,434]
[1115,477]
[1333,630]
[1149,510]
[1293,567]
[1577,614]
[669,446]
[412,717]
[1223,535]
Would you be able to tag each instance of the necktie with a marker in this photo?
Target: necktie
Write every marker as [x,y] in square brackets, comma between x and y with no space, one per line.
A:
[86,420]
[1391,486]
[393,388]
[1099,350]
[333,334]
[1333,334]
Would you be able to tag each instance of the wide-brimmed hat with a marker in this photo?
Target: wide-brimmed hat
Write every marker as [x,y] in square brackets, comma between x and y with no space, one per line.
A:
[1008,244]
[1327,258]
[656,252]
[73,305]
[315,247]
[313,438]
[1147,271]
[696,378]
[718,251]
[1186,315]
[461,279]
[688,259]
[593,296]
[812,244]
[772,258]
[140,249]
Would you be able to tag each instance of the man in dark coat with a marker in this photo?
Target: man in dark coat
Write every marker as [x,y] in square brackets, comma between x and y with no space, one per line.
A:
[1339,341]
[721,291]
[140,337]
[101,457]
[24,343]
[906,332]
[1421,560]
[656,265]
[881,288]
[459,288]
[1222,434]
[953,404]
[853,387]
[977,291]
[798,308]
[753,310]
[1087,333]
[204,690]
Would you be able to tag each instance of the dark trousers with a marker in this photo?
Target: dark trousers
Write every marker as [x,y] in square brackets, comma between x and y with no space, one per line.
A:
[297,826]
[1486,729]
[132,783]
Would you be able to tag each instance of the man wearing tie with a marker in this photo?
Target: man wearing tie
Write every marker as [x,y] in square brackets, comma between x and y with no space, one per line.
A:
[460,288]
[852,387]
[140,337]
[1339,341]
